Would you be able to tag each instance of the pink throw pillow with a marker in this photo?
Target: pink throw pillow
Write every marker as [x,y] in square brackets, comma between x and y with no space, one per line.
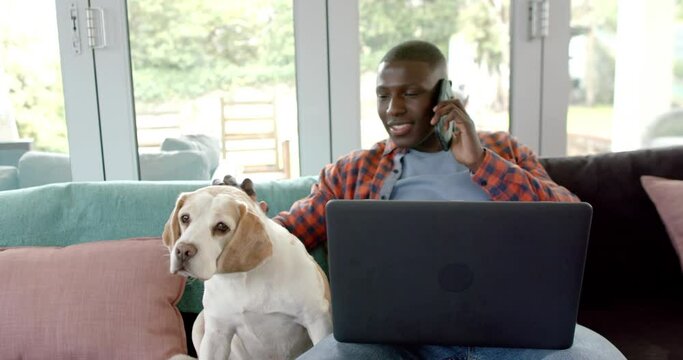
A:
[100,300]
[667,195]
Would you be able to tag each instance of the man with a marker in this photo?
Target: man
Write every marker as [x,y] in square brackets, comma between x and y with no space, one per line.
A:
[411,165]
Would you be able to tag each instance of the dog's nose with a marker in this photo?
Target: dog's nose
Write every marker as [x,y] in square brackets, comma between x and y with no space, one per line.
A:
[185,251]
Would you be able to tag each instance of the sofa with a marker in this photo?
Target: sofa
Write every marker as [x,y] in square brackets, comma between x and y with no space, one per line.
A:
[633,284]
[188,157]
[632,291]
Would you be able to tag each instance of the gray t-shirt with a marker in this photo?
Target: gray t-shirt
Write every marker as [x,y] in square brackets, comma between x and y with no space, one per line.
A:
[434,176]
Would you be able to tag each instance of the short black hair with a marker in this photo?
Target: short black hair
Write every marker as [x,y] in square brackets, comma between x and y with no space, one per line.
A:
[416,50]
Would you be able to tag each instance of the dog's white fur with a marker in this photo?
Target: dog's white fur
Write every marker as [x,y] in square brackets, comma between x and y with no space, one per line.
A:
[265,297]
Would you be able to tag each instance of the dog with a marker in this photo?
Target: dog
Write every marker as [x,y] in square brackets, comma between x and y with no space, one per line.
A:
[265,297]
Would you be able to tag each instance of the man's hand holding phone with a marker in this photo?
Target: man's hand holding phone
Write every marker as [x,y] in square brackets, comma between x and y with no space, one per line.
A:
[455,127]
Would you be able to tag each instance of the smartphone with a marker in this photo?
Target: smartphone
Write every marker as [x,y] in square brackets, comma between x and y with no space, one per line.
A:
[444,132]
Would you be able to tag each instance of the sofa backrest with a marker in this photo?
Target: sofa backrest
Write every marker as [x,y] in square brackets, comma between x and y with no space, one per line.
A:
[72,213]
[186,165]
[37,168]
[629,254]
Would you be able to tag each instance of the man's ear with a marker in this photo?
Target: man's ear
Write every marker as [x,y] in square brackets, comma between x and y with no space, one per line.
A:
[172,228]
[249,246]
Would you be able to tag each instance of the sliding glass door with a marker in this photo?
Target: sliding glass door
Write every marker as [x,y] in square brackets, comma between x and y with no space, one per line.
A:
[271,89]
[217,78]
[474,37]
[626,68]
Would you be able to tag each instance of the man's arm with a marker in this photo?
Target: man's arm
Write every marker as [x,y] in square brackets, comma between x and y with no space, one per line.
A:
[510,171]
[306,218]
[506,170]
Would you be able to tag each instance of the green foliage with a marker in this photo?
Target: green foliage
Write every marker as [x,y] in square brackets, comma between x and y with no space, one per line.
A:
[603,68]
[383,24]
[678,69]
[183,49]
[34,83]
[595,14]
[678,83]
[387,23]
[483,25]
[597,22]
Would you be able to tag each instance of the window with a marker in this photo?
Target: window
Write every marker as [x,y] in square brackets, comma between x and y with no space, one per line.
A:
[31,95]
[626,70]
[222,74]
[474,36]
[174,74]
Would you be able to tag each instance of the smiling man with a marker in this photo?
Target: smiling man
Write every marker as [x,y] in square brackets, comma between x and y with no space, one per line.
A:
[411,165]
[406,93]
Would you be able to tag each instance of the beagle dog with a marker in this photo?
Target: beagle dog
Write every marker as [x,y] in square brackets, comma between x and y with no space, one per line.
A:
[265,297]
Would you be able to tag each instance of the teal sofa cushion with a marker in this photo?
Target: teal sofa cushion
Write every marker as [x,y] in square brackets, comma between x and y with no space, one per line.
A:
[71,213]
[209,146]
[37,168]
[9,178]
[40,168]
[174,165]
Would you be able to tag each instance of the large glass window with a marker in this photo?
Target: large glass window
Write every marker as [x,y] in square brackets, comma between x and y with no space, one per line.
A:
[219,79]
[474,36]
[626,68]
[217,74]
[31,96]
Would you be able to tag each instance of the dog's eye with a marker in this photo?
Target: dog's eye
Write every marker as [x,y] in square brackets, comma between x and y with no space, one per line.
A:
[221,227]
[185,219]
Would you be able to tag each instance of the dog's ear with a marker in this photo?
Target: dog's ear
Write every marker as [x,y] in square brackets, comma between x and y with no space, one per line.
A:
[172,228]
[249,246]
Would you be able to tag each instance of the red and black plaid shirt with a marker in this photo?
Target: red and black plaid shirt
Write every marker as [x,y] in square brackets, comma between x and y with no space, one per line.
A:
[510,172]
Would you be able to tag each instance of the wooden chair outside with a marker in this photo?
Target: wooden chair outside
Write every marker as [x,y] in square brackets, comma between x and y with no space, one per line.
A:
[153,126]
[249,136]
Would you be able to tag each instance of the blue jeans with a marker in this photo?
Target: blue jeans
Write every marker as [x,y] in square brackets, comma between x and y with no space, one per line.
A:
[588,345]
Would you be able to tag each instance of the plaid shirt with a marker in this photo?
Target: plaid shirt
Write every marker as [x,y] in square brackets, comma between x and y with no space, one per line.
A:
[510,172]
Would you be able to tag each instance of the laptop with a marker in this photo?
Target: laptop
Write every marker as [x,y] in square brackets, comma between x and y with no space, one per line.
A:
[496,274]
